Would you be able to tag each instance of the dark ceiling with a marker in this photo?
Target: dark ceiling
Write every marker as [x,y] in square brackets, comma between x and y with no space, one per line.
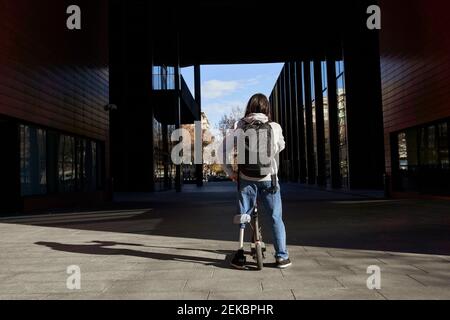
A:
[225,32]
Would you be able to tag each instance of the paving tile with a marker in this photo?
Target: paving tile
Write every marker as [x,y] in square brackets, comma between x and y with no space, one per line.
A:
[304,262]
[73,296]
[360,254]
[234,284]
[45,287]
[177,274]
[414,259]
[5,297]
[391,269]
[434,267]
[431,280]
[415,293]
[301,281]
[252,274]
[349,261]
[266,295]
[319,271]
[336,294]
[359,281]
[159,296]
[138,286]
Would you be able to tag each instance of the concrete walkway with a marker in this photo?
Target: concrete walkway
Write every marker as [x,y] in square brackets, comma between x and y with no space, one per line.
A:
[178,246]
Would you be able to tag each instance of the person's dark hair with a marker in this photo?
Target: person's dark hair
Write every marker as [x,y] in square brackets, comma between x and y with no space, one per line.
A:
[258,104]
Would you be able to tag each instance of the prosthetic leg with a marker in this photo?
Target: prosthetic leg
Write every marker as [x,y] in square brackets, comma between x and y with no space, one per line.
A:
[241,238]
[239,260]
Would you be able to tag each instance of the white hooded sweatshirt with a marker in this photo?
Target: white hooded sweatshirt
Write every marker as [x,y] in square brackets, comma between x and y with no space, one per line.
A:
[277,138]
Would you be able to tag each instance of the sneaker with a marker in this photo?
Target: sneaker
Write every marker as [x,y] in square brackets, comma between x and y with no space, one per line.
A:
[283,263]
[239,260]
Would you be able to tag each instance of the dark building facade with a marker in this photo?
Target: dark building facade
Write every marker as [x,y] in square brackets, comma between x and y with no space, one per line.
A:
[415,71]
[393,82]
[54,84]
[151,95]
[324,103]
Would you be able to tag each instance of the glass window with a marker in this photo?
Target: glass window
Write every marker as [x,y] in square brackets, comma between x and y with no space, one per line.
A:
[326,121]
[80,164]
[342,122]
[33,167]
[163,78]
[339,68]
[429,155]
[443,145]
[313,87]
[314,133]
[52,163]
[403,151]
[99,161]
[66,164]
[93,174]
[303,83]
[324,77]
[164,170]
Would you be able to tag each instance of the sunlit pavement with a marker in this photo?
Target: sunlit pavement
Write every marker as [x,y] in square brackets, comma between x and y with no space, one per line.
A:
[169,246]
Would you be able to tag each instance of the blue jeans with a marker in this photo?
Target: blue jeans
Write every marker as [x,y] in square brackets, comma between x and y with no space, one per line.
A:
[248,193]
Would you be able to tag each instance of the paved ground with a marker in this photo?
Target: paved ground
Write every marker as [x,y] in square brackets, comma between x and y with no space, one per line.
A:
[169,246]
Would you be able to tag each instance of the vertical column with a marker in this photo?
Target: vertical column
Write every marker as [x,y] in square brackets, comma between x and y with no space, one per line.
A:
[309,125]
[288,121]
[10,167]
[294,123]
[279,105]
[283,120]
[178,173]
[333,121]
[199,133]
[365,128]
[320,125]
[300,124]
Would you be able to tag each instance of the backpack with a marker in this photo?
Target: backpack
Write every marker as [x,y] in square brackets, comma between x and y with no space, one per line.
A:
[262,152]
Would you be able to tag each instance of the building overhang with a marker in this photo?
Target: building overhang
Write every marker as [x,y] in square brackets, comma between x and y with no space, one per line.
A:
[165,104]
[236,32]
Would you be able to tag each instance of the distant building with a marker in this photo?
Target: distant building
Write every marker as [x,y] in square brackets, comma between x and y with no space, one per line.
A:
[190,170]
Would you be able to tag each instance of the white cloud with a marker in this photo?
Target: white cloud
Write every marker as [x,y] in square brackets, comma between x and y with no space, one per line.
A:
[214,89]
[220,108]
[216,110]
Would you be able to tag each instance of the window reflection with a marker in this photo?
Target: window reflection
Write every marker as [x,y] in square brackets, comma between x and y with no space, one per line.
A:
[33,170]
[66,161]
[342,118]
[53,162]
[164,170]
[326,122]
[163,78]
[422,162]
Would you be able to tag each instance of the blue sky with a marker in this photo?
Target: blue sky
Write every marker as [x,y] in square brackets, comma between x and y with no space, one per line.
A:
[227,86]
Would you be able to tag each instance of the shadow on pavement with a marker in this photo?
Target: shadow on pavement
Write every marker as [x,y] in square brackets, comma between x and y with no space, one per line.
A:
[313,218]
[107,249]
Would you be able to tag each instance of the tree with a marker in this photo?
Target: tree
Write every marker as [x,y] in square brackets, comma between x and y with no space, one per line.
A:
[228,121]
